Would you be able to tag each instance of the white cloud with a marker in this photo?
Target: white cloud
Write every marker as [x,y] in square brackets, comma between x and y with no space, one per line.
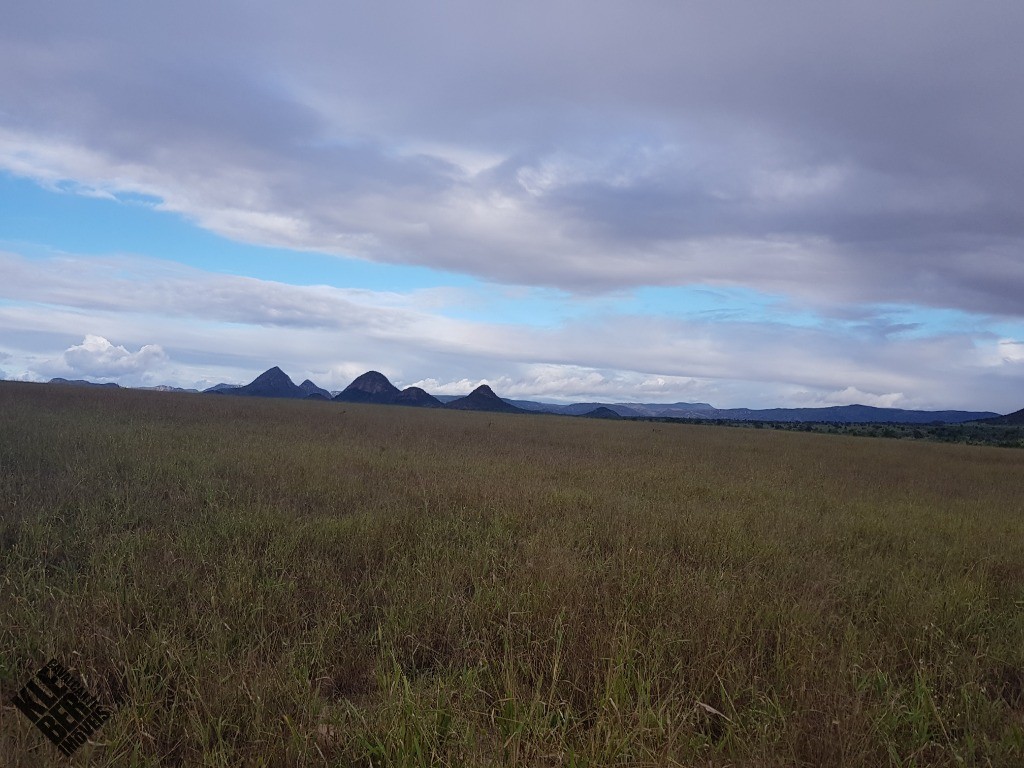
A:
[1011,351]
[457,388]
[853,395]
[186,327]
[97,358]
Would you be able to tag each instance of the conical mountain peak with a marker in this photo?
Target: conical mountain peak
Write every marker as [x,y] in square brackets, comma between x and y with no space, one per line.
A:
[273,382]
[273,375]
[416,397]
[370,387]
[483,399]
[312,390]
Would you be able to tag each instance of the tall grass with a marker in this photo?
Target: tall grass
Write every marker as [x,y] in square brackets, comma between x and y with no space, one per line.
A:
[288,583]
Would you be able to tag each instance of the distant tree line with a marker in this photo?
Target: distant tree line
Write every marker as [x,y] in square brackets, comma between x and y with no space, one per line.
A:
[969,433]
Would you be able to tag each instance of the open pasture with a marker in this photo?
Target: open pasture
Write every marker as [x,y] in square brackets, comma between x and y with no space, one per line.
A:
[306,583]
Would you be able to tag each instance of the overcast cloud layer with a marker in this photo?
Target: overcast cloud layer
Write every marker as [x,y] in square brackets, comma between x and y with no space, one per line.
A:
[841,158]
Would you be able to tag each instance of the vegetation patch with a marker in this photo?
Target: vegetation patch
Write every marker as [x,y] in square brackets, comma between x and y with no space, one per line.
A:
[280,583]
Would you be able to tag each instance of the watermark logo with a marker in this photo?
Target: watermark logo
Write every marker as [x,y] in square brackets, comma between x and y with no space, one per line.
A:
[59,706]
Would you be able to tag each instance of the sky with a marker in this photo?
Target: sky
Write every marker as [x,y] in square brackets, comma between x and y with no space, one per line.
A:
[749,204]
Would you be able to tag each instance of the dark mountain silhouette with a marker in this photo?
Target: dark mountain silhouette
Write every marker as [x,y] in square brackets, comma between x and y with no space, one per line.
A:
[271,383]
[371,387]
[1017,417]
[82,383]
[676,410]
[312,389]
[483,399]
[601,412]
[628,410]
[316,396]
[526,405]
[374,387]
[581,409]
[846,414]
[417,398]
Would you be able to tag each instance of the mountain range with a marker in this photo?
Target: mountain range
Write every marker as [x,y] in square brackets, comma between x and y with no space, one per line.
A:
[373,387]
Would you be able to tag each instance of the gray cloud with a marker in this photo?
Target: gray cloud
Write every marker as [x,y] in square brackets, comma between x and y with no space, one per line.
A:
[866,153]
[191,326]
[136,285]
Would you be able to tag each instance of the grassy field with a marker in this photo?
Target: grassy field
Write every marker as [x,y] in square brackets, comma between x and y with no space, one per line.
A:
[970,433]
[291,583]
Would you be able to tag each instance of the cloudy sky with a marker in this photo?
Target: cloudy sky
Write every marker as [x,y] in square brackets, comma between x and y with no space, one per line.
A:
[747,204]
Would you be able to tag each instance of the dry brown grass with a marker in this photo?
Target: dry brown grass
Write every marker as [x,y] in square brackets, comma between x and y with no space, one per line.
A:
[290,583]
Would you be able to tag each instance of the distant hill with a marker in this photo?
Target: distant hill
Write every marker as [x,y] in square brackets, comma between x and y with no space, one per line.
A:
[847,414]
[573,409]
[312,389]
[627,410]
[374,387]
[601,412]
[1017,417]
[843,414]
[417,398]
[270,383]
[581,409]
[672,410]
[371,387]
[167,388]
[82,383]
[483,399]
[526,405]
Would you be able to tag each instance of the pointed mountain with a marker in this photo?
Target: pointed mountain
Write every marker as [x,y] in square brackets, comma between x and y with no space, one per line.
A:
[371,387]
[417,398]
[309,388]
[271,383]
[483,399]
